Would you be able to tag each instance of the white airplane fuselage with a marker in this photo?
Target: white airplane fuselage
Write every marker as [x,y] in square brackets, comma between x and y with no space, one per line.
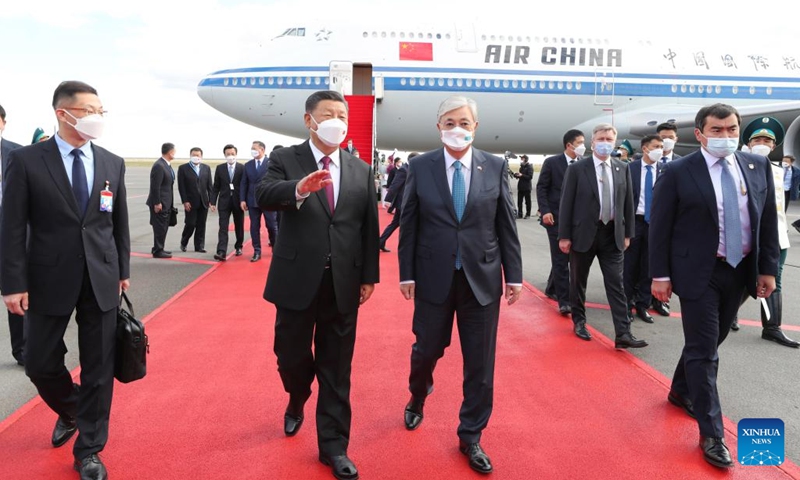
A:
[530,89]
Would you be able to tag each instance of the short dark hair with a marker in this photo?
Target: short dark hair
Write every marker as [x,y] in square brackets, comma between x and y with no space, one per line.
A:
[276,147]
[260,144]
[229,146]
[571,135]
[313,100]
[412,155]
[523,157]
[167,147]
[396,159]
[667,126]
[649,138]
[790,157]
[67,91]
[196,149]
[2,113]
[718,110]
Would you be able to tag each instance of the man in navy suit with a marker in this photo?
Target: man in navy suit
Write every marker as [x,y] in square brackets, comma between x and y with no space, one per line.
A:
[644,173]
[395,195]
[225,195]
[458,238]
[194,186]
[16,328]
[548,196]
[791,179]
[254,171]
[713,238]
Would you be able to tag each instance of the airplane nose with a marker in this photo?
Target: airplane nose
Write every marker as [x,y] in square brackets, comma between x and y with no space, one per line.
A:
[206,93]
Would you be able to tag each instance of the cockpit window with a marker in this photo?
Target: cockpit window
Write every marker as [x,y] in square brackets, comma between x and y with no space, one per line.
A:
[293,32]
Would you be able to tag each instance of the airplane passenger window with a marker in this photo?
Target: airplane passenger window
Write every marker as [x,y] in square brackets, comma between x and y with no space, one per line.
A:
[483,37]
[752,90]
[412,81]
[403,81]
[769,90]
[497,83]
[430,36]
[326,81]
[271,80]
[503,38]
[519,38]
[280,80]
[365,34]
[528,39]
[225,82]
[252,80]
[555,40]
[505,84]
[316,80]
[571,40]
[235,82]
[493,38]
[546,40]
[289,80]
[447,36]
[301,32]
[674,89]
[374,34]
[431,82]
[420,35]
[717,89]
[563,40]
[536,39]
[469,82]
[299,81]
[683,88]
[700,89]
[460,82]
[402,34]
[440,82]
[734,89]
[561,85]
[577,85]
[550,85]
[515,84]
[383,34]
[261,80]
[541,84]
[449,82]
[393,35]
[569,85]
[439,36]
[691,88]
[244,81]
[308,80]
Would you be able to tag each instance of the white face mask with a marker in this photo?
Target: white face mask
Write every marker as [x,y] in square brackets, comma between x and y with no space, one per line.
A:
[669,144]
[786,164]
[89,127]
[332,131]
[745,149]
[254,153]
[761,150]
[195,160]
[721,147]
[580,150]
[603,149]
[231,159]
[656,154]
[457,138]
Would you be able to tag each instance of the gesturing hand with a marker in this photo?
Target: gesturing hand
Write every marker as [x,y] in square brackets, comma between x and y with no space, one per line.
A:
[314,182]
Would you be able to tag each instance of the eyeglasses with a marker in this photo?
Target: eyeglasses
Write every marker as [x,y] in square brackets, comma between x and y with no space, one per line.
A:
[88,111]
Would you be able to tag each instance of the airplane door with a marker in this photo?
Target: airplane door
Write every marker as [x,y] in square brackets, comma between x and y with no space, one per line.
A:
[603,88]
[465,38]
[341,77]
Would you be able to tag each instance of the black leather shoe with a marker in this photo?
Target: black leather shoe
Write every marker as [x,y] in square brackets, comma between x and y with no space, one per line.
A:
[643,315]
[716,452]
[565,310]
[183,248]
[628,341]
[581,331]
[200,250]
[662,308]
[293,418]
[167,252]
[478,460]
[256,257]
[91,468]
[413,414]
[551,296]
[20,360]
[776,335]
[238,252]
[162,254]
[64,430]
[384,249]
[681,402]
[341,466]
[220,257]
[735,325]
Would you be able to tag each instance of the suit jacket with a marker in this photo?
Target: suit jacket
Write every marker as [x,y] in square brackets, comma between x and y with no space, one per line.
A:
[398,187]
[526,177]
[61,245]
[309,234]
[430,233]
[162,178]
[794,192]
[579,209]
[251,178]
[635,168]
[548,188]
[684,225]
[221,194]
[5,150]
[194,188]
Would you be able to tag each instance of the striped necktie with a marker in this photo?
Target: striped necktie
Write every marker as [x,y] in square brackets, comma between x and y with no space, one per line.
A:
[733,223]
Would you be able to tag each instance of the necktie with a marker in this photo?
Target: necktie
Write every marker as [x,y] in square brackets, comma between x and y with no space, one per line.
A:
[648,192]
[572,161]
[605,211]
[196,169]
[459,201]
[258,164]
[664,160]
[326,162]
[230,172]
[79,185]
[733,225]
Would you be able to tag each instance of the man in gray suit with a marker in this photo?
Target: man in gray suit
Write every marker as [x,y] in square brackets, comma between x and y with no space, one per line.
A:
[597,220]
[458,237]
[162,179]
[324,266]
[16,328]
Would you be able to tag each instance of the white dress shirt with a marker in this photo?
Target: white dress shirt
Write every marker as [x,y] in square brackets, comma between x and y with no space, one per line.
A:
[715,169]
[599,171]
[466,169]
[640,207]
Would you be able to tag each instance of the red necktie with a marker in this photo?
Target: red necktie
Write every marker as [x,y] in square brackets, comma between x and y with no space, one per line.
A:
[326,161]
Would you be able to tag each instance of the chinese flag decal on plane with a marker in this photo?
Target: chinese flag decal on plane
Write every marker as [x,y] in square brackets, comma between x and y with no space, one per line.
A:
[416,51]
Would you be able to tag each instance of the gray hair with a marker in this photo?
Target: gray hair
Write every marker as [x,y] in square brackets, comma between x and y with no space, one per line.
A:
[604,127]
[457,101]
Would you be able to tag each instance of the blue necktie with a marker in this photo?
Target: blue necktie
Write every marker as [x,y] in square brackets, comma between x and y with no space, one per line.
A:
[648,192]
[733,225]
[664,160]
[459,201]
[79,185]
[230,172]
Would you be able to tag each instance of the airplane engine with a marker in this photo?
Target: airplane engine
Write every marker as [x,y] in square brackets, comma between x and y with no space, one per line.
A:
[791,143]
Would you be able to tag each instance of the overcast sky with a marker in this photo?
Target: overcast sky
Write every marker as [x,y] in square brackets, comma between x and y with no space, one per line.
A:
[147,57]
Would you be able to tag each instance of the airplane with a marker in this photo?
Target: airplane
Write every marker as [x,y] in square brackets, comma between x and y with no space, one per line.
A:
[530,88]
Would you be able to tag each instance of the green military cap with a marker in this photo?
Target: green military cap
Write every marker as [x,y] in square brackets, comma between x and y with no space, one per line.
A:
[764,127]
[37,135]
[627,146]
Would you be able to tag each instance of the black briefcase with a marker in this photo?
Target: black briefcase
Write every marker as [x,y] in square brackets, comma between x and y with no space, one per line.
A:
[173,216]
[130,362]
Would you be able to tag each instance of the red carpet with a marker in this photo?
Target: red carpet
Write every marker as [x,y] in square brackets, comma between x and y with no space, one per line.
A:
[212,404]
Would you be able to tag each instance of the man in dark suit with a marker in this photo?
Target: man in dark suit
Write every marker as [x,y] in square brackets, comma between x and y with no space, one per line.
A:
[162,178]
[76,256]
[596,220]
[324,266]
[225,195]
[548,197]
[668,132]
[644,173]
[791,179]
[713,237]
[16,328]
[254,171]
[524,186]
[458,238]
[194,186]
[390,175]
[395,196]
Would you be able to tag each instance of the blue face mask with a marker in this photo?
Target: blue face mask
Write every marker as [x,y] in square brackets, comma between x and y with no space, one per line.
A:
[603,149]
[721,147]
